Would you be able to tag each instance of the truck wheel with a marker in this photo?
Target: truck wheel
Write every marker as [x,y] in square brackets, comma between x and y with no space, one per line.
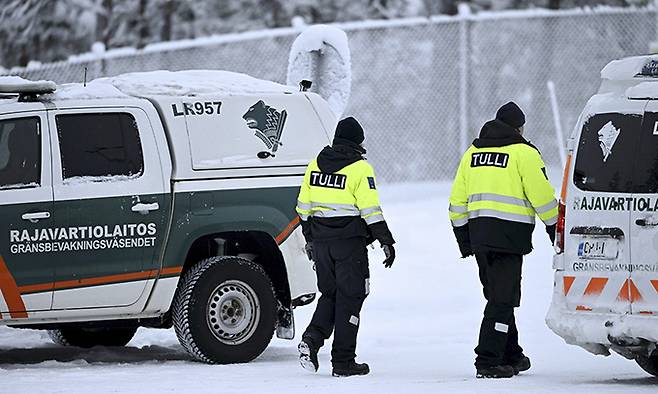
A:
[225,310]
[90,337]
[649,364]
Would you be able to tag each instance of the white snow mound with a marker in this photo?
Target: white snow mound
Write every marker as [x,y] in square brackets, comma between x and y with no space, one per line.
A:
[627,68]
[15,84]
[321,54]
[169,83]
[193,83]
[644,90]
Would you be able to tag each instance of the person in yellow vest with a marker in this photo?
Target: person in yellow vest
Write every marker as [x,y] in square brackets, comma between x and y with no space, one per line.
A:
[340,214]
[500,186]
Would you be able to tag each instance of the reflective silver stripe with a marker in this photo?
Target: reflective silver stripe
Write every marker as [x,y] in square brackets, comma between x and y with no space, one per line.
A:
[304,206]
[551,221]
[459,222]
[370,211]
[545,208]
[327,210]
[499,198]
[513,217]
[304,216]
[374,219]
[333,214]
[332,206]
[458,208]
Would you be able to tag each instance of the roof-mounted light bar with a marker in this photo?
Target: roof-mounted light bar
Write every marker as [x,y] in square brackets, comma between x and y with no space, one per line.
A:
[25,89]
[650,69]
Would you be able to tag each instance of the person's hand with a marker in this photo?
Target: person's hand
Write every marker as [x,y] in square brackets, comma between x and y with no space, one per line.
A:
[389,252]
[309,250]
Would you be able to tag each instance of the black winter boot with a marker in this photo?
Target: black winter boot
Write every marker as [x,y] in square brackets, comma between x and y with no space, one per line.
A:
[495,372]
[308,356]
[523,364]
[350,368]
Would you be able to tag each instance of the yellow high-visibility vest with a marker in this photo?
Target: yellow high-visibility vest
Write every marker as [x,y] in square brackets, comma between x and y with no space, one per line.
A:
[350,191]
[507,183]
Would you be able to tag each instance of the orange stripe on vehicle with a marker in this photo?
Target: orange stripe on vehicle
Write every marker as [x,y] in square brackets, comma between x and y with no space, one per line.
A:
[286,232]
[583,308]
[105,279]
[655,284]
[11,293]
[565,180]
[629,292]
[595,286]
[171,270]
[568,282]
[101,280]
[40,287]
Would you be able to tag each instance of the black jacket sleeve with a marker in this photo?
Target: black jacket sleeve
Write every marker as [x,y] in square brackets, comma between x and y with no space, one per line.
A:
[379,231]
[306,230]
[463,239]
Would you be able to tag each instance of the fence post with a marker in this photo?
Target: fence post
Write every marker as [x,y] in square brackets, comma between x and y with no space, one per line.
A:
[464,14]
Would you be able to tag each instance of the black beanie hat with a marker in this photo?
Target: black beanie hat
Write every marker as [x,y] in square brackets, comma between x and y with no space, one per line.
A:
[511,114]
[349,129]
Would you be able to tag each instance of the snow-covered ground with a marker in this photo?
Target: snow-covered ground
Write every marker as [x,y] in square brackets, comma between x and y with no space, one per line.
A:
[419,328]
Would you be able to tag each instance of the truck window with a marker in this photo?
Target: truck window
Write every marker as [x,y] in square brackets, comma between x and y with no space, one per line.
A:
[20,153]
[646,156]
[606,150]
[99,145]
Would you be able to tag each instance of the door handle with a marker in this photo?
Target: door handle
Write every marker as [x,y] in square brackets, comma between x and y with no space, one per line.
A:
[645,223]
[35,216]
[144,209]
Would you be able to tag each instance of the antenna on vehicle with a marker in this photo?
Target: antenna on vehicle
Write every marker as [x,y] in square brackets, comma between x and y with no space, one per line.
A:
[305,85]
[84,81]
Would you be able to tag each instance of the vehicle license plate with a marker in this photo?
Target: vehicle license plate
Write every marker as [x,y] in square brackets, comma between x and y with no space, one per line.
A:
[600,249]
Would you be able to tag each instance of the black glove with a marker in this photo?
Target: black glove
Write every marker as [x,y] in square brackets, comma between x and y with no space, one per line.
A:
[551,233]
[309,250]
[389,252]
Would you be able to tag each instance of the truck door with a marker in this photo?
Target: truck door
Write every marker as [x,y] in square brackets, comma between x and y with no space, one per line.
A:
[109,195]
[26,208]
[598,211]
[641,290]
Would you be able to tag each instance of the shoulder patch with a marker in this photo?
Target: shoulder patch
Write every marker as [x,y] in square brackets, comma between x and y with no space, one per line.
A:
[371,183]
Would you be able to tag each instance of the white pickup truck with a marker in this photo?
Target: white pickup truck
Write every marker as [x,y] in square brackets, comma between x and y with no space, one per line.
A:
[156,199]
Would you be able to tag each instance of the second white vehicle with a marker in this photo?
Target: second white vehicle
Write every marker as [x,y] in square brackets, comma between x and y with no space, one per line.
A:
[606,266]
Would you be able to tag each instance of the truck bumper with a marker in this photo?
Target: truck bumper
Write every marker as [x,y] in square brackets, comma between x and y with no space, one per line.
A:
[592,331]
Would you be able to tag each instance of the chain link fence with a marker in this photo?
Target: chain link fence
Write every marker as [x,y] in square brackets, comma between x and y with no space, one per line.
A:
[424,87]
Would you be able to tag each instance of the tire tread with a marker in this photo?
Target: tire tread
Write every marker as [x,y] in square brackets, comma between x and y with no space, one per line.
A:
[183,297]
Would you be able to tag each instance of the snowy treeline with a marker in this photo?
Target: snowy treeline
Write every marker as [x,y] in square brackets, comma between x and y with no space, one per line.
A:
[49,30]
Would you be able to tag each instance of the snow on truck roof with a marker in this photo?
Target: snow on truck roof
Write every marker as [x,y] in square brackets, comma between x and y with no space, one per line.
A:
[146,84]
[645,66]
[633,77]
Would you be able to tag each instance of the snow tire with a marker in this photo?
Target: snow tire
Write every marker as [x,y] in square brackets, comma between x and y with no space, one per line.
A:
[649,364]
[87,338]
[192,311]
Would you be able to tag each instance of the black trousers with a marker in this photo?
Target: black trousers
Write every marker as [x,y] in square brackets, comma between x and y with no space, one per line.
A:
[343,280]
[500,274]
